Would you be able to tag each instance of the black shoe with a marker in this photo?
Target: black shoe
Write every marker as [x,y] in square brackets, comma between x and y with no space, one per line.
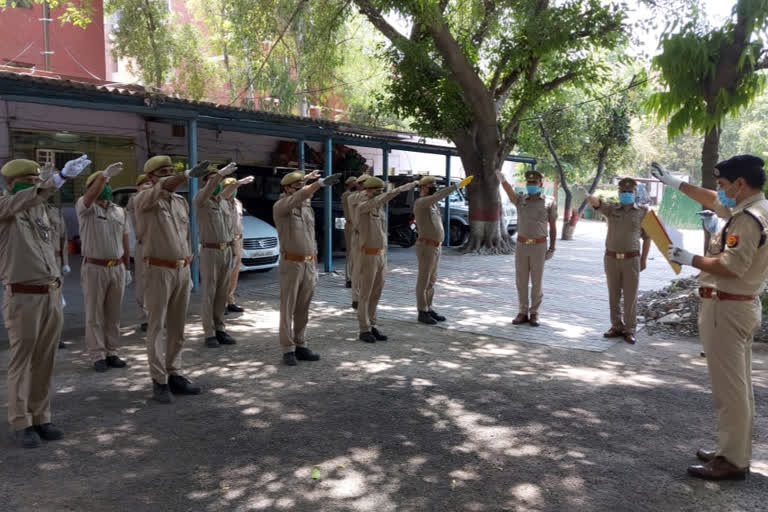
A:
[116,362]
[367,337]
[101,366]
[182,386]
[49,432]
[378,335]
[62,344]
[348,284]
[224,338]
[211,342]
[27,437]
[234,308]
[144,327]
[426,318]
[289,358]
[304,354]
[439,318]
[161,393]
[354,304]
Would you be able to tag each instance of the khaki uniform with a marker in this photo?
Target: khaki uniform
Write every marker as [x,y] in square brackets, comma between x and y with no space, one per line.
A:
[59,234]
[372,226]
[165,218]
[622,270]
[33,320]
[214,220]
[354,255]
[295,222]
[727,327]
[103,274]
[138,254]
[533,216]
[348,227]
[428,246]
[236,209]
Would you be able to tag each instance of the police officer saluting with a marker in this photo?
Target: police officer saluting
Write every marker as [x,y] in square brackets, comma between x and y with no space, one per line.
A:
[535,213]
[431,235]
[372,224]
[730,312]
[353,250]
[295,222]
[32,298]
[106,255]
[142,183]
[167,255]
[623,259]
[214,220]
[236,209]
[351,188]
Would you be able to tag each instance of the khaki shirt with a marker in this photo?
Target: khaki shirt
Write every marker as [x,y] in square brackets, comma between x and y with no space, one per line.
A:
[101,230]
[236,211]
[28,247]
[214,219]
[130,209]
[534,214]
[427,213]
[345,206]
[165,219]
[372,220]
[624,226]
[354,200]
[741,253]
[59,233]
[295,222]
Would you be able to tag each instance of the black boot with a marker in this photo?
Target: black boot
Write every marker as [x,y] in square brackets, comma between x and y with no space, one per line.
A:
[27,437]
[289,359]
[161,393]
[62,344]
[348,284]
[354,304]
[144,326]
[180,385]
[426,318]
[304,354]
[439,318]
[234,308]
[224,338]
[211,342]
[378,335]
[367,337]
[116,362]
[49,432]
[100,365]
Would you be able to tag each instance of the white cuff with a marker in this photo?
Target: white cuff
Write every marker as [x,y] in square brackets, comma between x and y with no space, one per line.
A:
[58,180]
[673,181]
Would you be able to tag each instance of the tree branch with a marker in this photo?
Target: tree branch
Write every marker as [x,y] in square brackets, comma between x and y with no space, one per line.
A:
[479,36]
[557,82]
[553,152]
[377,20]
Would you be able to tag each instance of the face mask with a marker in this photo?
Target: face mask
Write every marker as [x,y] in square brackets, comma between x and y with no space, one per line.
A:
[728,202]
[106,193]
[533,189]
[431,190]
[21,185]
[626,197]
[217,190]
[234,194]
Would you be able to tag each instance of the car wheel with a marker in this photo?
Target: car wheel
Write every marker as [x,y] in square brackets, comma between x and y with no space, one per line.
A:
[459,233]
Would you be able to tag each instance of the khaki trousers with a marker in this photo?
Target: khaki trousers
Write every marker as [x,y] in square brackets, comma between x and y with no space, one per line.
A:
[34,327]
[353,256]
[727,328]
[237,250]
[103,289]
[428,258]
[138,278]
[529,265]
[215,273]
[297,285]
[373,270]
[623,277]
[166,296]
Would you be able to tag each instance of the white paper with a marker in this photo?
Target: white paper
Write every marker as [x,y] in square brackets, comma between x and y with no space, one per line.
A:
[675,236]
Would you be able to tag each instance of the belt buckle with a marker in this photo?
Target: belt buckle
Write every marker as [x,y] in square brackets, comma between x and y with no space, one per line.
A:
[529,241]
[223,245]
[179,263]
[308,258]
[620,255]
[53,285]
[111,263]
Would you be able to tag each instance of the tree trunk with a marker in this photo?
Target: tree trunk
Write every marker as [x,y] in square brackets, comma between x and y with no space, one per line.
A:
[576,215]
[487,235]
[710,153]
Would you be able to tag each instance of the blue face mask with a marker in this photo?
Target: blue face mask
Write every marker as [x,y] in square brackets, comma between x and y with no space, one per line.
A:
[533,189]
[728,202]
[626,197]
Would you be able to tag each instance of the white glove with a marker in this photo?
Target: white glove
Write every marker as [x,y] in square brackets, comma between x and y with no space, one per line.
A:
[74,168]
[661,174]
[245,181]
[46,171]
[198,171]
[113,170]
[313,175]
[680,255]
[549,254]
[330,180]
[66,269]
[128,278]
[501,176]
[227,169]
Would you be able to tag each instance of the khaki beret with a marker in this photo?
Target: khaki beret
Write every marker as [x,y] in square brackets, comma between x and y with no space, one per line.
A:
[92,177]
[426,180]
[373,182]
[363,177]
[533,175]
[228,181]
[292,177]
[141,179]
[350,180]
[157,162]
[21,167]
[627,183]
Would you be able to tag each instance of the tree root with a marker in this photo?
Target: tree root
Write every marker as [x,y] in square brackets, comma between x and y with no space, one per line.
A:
[502,245]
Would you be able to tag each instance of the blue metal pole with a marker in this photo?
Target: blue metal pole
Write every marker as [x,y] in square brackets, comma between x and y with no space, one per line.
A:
[192,157]
[447,209]
[385,177]
[301,154]
[328,209]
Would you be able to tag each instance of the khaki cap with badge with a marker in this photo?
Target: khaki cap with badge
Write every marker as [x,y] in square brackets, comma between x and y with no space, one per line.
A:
[292,177]
[141,179]
[20,167]
[426,181]
[157,162]
[350,180]
[373,182]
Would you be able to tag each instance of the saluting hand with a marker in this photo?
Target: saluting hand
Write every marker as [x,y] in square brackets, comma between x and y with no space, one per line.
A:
[113,170]
[245,181]
[74,168]
[314,175]
[330,180]
[227,169]
[198,171]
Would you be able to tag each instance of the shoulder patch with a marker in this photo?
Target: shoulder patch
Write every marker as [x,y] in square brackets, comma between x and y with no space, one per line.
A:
[732,241]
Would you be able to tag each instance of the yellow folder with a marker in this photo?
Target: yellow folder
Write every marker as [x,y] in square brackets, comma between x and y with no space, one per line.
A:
[655,229]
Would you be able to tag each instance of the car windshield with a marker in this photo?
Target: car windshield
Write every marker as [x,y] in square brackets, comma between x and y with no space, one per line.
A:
[456,197]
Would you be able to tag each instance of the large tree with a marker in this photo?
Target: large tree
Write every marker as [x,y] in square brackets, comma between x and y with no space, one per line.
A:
[471,70]
[710,73]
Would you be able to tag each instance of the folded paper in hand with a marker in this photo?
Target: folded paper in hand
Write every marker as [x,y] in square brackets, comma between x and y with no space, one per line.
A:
[662,237]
